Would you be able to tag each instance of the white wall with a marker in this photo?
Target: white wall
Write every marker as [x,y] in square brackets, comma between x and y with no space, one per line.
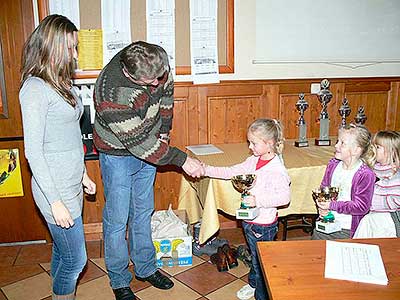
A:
[245,52]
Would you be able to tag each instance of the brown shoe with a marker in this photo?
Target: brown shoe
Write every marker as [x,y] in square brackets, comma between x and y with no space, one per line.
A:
[230,256]
[220,260]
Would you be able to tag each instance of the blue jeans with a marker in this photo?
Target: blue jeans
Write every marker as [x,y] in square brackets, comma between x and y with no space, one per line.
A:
[128,189]
[68,257]
[256,233]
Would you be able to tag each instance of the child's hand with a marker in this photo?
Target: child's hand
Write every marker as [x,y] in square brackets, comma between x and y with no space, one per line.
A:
[323,204]
[249,201]
[322,212]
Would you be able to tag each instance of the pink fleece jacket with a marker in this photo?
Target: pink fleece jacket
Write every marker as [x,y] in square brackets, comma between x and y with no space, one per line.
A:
[272,187]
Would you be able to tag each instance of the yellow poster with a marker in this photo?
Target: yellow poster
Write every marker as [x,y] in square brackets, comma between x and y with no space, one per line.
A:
[90,49]
[10,174]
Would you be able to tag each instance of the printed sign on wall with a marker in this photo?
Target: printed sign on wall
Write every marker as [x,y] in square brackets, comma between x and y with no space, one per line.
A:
[85,92]
[10,174]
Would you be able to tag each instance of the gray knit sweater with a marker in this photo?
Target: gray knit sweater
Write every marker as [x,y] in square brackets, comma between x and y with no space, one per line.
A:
[130,117]
[53,147]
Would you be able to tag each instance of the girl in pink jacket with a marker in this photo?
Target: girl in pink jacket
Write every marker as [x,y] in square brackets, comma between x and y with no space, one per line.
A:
[271,190]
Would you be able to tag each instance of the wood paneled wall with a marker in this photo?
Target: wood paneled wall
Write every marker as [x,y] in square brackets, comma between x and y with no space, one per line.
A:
[220,113]
[216,113]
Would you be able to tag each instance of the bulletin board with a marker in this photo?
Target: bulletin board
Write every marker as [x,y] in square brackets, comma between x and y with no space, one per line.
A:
[91,19]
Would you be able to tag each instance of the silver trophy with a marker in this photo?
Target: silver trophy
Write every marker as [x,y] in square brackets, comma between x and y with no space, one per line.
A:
[344,111]
[243,183]
[324,97]
[360,117]
[301,106]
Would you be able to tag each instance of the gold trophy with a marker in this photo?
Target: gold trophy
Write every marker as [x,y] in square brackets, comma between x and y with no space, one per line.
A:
[243,183]
[326,224]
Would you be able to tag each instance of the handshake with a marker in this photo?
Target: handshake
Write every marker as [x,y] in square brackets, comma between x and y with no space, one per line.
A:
[193,167]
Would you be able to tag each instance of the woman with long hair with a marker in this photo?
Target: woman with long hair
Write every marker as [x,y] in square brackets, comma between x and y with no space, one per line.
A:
[53,145]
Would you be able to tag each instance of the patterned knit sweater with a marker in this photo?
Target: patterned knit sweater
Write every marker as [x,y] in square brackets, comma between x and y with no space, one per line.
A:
[130,117]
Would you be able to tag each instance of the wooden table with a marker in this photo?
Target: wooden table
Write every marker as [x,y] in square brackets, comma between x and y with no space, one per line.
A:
[203,198]
[295,270]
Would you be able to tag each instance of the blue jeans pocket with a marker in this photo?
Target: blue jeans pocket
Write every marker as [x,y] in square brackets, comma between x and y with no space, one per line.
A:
[264,233]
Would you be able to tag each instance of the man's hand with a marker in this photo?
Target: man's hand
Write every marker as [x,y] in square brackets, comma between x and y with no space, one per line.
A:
[61,215]
[193,167]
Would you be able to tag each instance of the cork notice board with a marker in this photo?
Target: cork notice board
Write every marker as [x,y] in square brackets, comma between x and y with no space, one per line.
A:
[90,18]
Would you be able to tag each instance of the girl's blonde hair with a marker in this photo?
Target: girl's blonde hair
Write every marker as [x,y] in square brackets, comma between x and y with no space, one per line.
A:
[390,140]
[269,129]
[363,139]
[47,55]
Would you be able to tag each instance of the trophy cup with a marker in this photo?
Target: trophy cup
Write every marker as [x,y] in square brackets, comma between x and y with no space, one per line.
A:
[243,183]
[344,111]
[324,97]
[301,106]
[326,224]
[360,117]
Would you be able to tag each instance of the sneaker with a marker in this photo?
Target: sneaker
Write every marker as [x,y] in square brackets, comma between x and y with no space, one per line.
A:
[208,248]
[244,255]
[245,292]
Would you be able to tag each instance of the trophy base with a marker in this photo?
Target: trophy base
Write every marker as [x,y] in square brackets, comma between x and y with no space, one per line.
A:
[328,227]
[247,213]
[301,144]
[319,142]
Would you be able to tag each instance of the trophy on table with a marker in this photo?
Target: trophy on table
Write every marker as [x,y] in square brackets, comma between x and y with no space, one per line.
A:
[327,223]
[344,111]
[324,97]
[243,183]
[360,117]
[301,106]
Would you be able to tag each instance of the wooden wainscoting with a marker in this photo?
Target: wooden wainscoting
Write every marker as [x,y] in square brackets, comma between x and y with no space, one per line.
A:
[220,113]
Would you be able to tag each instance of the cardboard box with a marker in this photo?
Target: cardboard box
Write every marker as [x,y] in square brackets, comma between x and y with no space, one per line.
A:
[175,251]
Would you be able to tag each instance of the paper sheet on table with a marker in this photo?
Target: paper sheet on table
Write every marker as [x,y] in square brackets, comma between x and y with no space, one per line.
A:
[204,149]
[355,262]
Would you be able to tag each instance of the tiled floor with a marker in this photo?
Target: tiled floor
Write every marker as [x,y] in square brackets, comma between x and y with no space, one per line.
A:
[24,274]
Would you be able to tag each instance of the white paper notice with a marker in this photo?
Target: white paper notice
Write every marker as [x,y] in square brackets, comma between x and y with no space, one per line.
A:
[355,262]
[116,25]
[70,9]
[160,16]
[85,92]
[204,149]
[203,41]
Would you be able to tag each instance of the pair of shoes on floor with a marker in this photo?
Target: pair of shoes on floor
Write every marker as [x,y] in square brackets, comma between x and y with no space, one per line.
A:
[158,280]
[243,253]
[124,293]
[208,248]
[224,258]
[246,292]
